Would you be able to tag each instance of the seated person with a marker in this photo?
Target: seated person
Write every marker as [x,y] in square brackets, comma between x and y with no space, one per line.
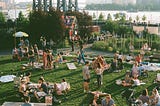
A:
[28,75]
[144,97]
[25,54]
[59,58]
[127,81]
[60,87]
[108,101]
[42,89]
[96,95]
[134,70]
[154,98]
[129,58]
[137,82]
[23,88]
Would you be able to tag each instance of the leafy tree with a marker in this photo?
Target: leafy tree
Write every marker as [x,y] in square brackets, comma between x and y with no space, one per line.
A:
[137,18]
[22,22]
[84,23]
[117,16]
[2,17]
[109,17]
[130,19]
[144,18]
[122,19]
[94,16]
[101,17]
[49,24]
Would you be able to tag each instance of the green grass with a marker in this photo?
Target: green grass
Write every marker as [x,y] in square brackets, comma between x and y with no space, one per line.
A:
[76,97]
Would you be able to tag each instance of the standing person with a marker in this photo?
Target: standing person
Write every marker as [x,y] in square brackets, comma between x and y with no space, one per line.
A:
[99,73]
[45,59]
[31,56]
[108,101]
[86,76]
[138,58]
[82,56]
[49,60]
[26,42]
[36,52]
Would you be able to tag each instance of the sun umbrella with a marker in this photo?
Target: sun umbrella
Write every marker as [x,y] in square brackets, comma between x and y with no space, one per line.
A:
[20,34]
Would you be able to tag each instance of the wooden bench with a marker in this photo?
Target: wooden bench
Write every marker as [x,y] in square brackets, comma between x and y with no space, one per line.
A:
[154,57]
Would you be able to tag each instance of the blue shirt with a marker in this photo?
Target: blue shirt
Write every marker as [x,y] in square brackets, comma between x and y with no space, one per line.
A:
[110,103]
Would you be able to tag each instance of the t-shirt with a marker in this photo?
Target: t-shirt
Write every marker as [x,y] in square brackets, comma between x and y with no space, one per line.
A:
[110,103]
[86,72]
[44,87]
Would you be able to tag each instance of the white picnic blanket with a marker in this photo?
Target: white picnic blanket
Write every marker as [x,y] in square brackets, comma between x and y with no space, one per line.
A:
[71,66]
[7,78]
[151,66]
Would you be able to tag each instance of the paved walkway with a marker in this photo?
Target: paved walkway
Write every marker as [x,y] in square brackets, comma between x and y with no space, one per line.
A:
[87,48]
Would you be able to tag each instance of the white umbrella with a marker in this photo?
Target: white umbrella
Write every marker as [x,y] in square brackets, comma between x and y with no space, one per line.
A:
[20,34]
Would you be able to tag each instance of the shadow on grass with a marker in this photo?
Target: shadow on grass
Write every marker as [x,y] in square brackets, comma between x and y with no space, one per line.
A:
[2,62]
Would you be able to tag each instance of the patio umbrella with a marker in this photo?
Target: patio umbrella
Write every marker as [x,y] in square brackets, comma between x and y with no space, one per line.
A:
[20,34]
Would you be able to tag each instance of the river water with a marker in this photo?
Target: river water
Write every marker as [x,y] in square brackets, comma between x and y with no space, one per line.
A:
[151,17]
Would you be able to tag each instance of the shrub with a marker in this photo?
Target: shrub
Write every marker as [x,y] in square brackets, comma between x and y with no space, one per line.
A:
[100,45]
[110,49]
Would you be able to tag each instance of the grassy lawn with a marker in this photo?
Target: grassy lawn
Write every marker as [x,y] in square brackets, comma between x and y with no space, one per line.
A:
[75,97]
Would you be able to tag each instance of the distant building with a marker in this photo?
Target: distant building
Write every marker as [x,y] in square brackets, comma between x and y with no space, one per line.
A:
[120,2]
[98,1]
[151,29]
[3,5]
[124,2]
[148,2]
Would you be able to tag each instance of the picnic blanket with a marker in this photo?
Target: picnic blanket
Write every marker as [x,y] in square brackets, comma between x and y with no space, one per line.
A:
[7,78]
[71,66]
[151,66]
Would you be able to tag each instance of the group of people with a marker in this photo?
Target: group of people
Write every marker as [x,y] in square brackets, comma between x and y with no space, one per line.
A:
[99,65]
[41,89]
[152,100]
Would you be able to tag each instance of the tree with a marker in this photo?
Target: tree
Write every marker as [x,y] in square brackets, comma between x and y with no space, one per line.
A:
[49,24]
[94,16]
[2,17]
[123,19]
[84,23]
[144,18]
[117,16]
[22,22]
[130,19]
[137,18]
[101,17]
[109,17]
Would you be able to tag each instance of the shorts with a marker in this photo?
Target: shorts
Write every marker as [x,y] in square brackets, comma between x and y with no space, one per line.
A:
[87,80]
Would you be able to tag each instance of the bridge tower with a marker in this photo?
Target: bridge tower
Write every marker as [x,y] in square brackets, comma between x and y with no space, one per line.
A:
[67,5]
[42,5]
